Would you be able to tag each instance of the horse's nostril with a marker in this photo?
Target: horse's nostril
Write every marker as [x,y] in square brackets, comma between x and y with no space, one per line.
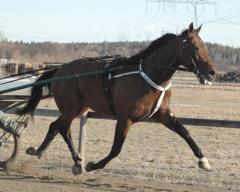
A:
[212,73]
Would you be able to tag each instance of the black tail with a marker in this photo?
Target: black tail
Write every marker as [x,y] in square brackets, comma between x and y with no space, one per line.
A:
[37,93]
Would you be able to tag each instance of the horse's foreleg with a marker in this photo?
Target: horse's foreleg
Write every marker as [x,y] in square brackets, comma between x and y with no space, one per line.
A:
[52,132]
[170,121]
[121,132]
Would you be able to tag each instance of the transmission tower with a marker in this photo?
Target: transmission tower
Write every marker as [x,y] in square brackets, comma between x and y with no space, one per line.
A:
[194,3]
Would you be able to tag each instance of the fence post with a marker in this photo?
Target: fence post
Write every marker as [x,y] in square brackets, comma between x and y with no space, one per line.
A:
[82,137]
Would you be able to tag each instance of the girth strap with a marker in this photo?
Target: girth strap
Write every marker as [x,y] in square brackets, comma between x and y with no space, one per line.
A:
[107,86]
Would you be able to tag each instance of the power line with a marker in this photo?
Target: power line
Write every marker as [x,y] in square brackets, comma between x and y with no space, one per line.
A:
[194,3]
[227,19]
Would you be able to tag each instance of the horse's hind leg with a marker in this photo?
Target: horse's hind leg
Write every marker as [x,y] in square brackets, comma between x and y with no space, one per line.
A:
[62,126]
[170,121]
[66,134]
[121,131]
[52,132]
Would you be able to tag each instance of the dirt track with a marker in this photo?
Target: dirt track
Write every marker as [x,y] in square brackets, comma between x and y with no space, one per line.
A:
[153,158]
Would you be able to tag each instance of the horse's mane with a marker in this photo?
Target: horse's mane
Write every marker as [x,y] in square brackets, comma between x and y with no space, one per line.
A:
[150,49]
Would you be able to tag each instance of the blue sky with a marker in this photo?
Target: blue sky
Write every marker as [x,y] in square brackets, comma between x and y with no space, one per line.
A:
[112,20]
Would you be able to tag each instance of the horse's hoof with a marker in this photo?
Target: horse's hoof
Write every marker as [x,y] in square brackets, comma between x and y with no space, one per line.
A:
[77,169]
[31,151]
[204,164]
[89,166]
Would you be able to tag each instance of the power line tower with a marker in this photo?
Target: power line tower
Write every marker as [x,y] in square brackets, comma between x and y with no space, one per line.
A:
[194,3]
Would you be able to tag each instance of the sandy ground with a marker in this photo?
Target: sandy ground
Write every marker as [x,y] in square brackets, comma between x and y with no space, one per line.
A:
[153,158]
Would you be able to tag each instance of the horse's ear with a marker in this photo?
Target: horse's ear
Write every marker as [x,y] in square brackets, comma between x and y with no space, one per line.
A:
[190,28]
[199,29]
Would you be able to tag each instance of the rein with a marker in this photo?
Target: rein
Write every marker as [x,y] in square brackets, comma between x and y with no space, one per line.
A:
[184,69]
[30,72]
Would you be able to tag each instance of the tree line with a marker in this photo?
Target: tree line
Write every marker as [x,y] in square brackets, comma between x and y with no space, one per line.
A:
[227,58]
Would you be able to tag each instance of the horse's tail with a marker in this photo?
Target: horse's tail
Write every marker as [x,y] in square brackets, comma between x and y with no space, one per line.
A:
[37,93]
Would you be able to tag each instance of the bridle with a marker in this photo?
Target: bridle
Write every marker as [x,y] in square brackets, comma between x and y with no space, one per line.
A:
[193,61]
[195,70]
[185,42]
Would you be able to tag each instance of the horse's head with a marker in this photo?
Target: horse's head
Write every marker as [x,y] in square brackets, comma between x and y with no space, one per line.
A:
[195,55]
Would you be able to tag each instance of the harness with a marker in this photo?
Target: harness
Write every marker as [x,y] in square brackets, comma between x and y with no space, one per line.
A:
[107,83]
[108,76]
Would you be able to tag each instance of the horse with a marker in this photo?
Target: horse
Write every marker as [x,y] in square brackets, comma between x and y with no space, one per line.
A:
[139,90]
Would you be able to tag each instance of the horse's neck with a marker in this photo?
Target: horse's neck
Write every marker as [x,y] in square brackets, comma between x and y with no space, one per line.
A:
[162,64]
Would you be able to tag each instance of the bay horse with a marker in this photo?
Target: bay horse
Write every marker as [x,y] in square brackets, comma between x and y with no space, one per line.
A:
[139,90]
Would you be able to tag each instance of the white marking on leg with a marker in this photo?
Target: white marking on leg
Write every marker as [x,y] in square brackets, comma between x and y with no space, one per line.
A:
[204,164]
